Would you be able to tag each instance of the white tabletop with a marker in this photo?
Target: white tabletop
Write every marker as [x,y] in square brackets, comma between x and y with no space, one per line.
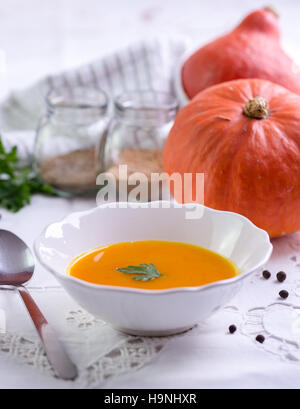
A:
[207,356]
[42,37]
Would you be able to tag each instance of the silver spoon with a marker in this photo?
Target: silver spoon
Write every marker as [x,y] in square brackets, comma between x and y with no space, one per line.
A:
[16,268]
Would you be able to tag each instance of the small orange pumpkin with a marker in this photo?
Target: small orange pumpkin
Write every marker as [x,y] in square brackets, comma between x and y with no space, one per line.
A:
[244,135]
[251,50]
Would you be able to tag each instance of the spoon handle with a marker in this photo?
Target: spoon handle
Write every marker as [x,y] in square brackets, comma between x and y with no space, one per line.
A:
[53,347]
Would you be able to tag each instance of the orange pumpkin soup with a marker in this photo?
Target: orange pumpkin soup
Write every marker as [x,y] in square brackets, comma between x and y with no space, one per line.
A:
[153,265]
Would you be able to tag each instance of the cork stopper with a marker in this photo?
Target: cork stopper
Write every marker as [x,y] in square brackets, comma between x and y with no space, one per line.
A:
[257,108]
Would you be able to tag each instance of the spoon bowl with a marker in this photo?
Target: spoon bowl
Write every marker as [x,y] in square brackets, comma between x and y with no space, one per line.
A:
[16,260]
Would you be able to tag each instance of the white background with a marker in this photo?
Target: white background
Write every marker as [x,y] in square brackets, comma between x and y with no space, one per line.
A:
[39,37]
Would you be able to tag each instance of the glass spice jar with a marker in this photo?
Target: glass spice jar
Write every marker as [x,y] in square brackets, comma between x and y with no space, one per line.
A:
[137,133]
[65,154]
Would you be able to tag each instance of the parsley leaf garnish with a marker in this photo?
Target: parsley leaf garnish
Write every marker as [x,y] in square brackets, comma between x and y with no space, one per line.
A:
[144,272]
[17,184]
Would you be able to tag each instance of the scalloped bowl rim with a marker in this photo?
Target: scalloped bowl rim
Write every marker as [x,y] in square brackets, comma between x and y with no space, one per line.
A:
[87,284]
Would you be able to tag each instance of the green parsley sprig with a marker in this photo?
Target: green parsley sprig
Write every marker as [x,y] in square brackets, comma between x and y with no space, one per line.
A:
[143,272]
[17,185]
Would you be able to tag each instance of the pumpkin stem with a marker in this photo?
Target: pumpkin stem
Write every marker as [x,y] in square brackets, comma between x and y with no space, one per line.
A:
[257,108]
[273,10]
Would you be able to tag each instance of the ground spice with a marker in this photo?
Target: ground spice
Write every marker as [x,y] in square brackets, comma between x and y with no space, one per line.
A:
[139,160]
[142,161]
[74,171]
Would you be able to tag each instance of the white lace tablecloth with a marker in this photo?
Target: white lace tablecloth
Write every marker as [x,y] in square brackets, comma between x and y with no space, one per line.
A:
[204,357]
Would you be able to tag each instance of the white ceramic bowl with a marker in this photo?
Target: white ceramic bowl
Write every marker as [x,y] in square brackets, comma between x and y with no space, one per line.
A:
[148,312]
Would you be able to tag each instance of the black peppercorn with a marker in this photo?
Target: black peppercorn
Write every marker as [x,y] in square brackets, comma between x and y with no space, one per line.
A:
[266,274]
[260,339]
[281,276]
[232,329]
[283,294]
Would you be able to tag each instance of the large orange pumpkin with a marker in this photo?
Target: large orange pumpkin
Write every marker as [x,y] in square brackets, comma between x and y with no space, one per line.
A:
[251,50]
[244,135]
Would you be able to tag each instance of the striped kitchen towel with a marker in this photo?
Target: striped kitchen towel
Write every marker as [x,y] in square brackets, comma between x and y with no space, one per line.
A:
[146,65]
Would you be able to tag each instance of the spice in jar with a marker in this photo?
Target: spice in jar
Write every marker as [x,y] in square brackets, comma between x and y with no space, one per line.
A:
[147,162]
[72,171]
